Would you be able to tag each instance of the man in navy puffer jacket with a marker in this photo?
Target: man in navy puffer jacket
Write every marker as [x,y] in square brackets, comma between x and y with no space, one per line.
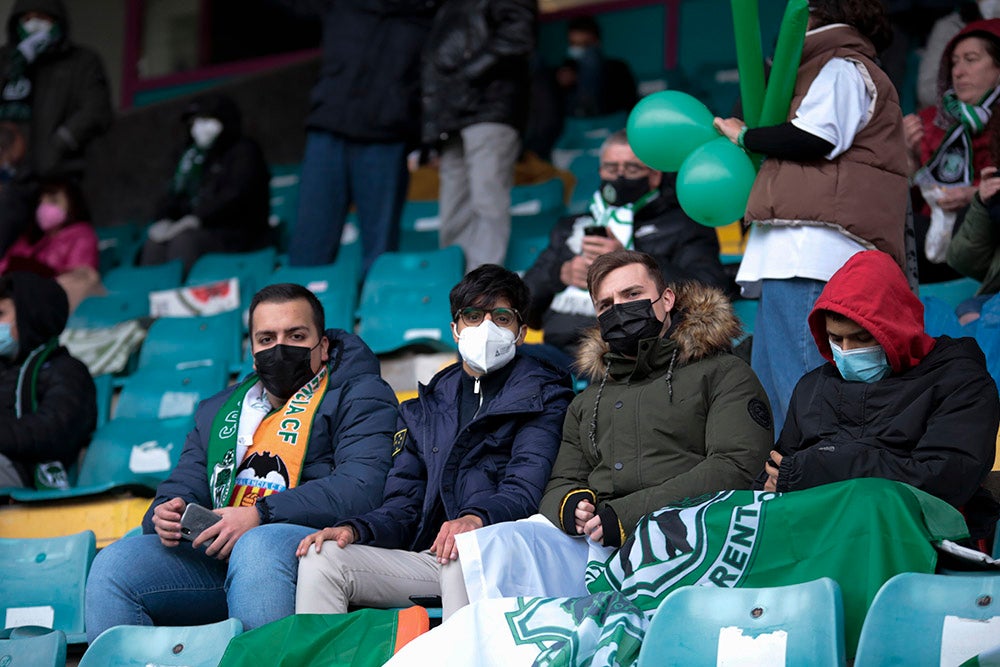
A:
[474,449]
[304,442]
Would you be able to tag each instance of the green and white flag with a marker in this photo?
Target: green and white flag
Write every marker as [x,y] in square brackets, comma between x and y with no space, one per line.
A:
[859,533]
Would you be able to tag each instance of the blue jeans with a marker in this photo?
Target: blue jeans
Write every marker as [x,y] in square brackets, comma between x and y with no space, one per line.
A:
[138,581]
[335,173]
[783,347]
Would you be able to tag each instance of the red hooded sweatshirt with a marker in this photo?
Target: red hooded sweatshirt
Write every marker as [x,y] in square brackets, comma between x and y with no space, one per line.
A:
[872,291]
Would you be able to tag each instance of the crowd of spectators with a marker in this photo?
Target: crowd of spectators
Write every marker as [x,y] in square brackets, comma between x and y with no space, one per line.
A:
[328,493]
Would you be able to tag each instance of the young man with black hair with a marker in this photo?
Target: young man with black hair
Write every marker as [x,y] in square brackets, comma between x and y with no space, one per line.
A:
[670,414]
[303,442]
[474,449]
[48,403]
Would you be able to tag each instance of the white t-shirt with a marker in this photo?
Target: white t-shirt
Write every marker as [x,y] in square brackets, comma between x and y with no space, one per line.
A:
[838,104]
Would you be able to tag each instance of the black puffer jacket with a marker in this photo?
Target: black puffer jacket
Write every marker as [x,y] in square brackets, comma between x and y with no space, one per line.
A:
[58,401]
[476,65]
[684,250]
[71,104]
[234,192]
[369,82]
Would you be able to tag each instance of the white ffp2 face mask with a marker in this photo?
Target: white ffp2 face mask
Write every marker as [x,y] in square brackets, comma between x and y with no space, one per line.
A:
[486,347]
[205,131]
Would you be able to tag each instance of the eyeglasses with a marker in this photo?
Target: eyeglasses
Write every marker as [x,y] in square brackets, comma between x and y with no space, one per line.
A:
[502,317]
[629,169]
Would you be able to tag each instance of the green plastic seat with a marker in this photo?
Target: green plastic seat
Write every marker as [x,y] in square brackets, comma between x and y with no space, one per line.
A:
[395,271]
[248,267]
[589,133]
[930,619]
[107,311]
[420,223]
[154,393]
[585,168]
[284,188]
[537,197]
[335,285]
[706,625]
[117,245]
[186,342]
[43,580]
[104,384]
[952,292]
[124,454]
[746,310]
[529,236]
[47,649]
[139,646]
[144,279]
[403,317]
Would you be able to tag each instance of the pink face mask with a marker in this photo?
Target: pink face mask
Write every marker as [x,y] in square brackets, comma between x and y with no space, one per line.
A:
[49,216]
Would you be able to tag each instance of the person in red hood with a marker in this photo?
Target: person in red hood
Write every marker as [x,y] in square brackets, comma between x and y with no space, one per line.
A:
[892,402]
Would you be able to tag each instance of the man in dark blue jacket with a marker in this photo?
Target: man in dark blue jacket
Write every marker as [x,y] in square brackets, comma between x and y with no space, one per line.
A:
[474,449]
[304,442]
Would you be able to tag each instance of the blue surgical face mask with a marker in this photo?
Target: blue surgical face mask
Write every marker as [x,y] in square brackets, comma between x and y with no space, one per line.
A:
[8,346]
[865,364]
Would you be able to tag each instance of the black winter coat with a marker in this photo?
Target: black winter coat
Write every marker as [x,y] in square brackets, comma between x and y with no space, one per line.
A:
[369,81]
[933,426]
[684,250]
[476,65]
[71,102]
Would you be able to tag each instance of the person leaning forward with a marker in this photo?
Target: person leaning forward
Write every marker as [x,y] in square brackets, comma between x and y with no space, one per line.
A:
[302,443]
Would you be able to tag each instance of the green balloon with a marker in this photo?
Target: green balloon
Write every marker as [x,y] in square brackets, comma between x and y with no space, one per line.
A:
[714,183]
[665,127]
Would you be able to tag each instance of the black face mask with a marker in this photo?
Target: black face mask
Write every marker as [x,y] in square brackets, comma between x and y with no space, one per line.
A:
[623,325]
[284,369]
[623,190]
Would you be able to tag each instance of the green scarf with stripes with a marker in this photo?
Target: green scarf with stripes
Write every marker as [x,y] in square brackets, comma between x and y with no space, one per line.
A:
[952,162]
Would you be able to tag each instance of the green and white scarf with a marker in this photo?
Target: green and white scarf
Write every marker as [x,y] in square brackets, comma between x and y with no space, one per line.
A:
[952,162]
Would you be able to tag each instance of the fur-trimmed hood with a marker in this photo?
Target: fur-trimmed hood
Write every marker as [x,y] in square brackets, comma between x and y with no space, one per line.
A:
[704,324]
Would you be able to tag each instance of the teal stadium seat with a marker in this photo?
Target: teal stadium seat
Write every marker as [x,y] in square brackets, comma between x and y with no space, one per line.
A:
[802,624]
[585,168]
[107,311]
[42,582]
[335,285]
[952,292]
[284,189]
[153,393]
[589,133]
[928,619]
[117,245]
[144,279]
[404,300]
[185,342]
[249,267]
[124,454]
[139,646]
[746,310]
[46,649]
[535,209]
[104,384]
[420,224]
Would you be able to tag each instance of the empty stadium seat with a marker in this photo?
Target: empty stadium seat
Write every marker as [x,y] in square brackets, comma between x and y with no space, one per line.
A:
[117,245]
[928,619]
[284,187]
[131,454]
[46,649]
[153,393]
[135,646]
[535,209]
[107,311]
[408,316]
[537,197]
[335,285]
[144,279]
[952,292]
[42,582]
[746,310]
[590,132]
[585,168]
[420,223]
[802,624]
[249,267]
[401,270]
[104,386]
[185,342]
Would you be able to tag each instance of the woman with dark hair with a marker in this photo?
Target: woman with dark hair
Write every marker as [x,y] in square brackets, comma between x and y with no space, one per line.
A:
[60,243]
[947,146]
[833,184]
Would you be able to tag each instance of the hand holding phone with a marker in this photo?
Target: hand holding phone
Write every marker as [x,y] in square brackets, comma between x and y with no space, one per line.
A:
[196,519]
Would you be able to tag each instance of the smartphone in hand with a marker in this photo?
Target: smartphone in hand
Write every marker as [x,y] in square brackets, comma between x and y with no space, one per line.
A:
[196,519]
[595,230]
